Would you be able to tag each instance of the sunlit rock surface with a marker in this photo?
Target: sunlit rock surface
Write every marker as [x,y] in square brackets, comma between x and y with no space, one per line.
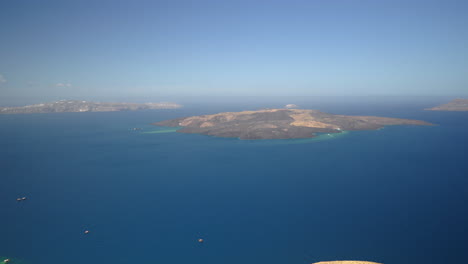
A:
[346,262]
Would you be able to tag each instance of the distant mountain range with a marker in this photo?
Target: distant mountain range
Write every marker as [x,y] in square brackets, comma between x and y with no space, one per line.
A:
[84,106]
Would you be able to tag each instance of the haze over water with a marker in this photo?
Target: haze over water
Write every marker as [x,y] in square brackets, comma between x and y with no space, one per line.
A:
[395,195]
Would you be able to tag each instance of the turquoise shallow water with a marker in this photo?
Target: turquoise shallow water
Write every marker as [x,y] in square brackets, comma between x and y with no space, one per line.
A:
[395,195]
[160,130]
[316,138]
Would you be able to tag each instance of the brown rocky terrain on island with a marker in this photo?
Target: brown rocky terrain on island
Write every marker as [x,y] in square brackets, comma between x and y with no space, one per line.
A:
[346,262]
[279,123]
[454,105]
[84,106]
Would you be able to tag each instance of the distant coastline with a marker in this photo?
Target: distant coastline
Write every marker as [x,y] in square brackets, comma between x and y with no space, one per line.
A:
[454,105]
[66,106]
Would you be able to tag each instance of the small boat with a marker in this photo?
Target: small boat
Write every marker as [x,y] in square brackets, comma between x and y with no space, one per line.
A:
[86,232]
[6,261]
[200,240]
[21,199]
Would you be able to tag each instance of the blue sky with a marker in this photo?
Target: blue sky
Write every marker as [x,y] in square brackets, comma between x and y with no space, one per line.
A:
[223,48]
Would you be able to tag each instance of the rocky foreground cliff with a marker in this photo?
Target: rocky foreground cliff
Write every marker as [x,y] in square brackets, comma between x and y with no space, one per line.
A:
[346,262]
[84,106]
[454,105]
[280,123]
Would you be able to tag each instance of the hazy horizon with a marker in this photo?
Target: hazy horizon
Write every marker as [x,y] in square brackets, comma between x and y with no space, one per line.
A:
[238,48]
[253,102]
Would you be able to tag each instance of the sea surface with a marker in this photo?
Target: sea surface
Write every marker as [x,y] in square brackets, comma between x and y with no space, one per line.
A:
[394,195]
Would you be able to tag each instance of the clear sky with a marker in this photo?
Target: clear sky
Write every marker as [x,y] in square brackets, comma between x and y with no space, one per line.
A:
[216,47]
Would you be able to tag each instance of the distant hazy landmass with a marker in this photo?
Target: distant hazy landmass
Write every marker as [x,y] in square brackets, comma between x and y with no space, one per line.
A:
[84,106]
[279,123]
[454,105]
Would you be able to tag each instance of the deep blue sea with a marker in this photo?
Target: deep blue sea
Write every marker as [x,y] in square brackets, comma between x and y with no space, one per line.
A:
[395,195]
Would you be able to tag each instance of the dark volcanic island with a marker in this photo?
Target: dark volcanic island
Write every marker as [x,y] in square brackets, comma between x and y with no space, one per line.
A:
[279,123]
[84,106]
[454,105]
